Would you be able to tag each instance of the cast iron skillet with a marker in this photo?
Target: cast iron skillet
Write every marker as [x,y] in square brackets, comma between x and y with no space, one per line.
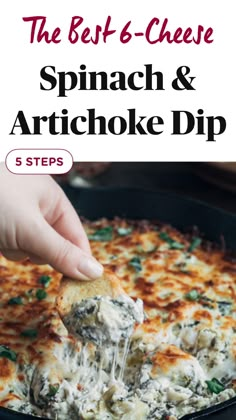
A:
[181,213]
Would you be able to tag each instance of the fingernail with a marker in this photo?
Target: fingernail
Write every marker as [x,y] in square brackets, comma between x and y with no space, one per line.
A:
[90,268]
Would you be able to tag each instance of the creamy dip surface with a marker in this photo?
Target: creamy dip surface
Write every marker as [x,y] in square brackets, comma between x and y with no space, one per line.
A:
[104,320]
[107,364]
[116,372]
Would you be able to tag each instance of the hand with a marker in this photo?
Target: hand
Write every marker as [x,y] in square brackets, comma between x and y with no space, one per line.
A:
[38,221]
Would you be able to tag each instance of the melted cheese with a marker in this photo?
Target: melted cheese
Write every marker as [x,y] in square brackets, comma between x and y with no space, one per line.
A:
[187,338]
[104,320]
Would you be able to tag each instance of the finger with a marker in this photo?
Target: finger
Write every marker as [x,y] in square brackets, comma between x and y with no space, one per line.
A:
[59,252]
[14,255]
[69,225]
[36,260]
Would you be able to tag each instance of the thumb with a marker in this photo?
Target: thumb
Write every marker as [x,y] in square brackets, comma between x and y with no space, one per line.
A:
[60,253]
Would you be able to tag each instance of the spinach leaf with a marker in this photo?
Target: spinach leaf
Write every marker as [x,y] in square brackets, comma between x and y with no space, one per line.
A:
[41,294]
[196,242]
[124,231]
[192,295]
[215,386]
[135,262]
[103,235]
[15,301]
[7,353]
[53,390]
[45,280]
[172,243]
[29,333]
[224,307]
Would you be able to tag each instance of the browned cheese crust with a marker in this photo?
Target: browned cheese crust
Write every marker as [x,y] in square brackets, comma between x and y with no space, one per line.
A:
[154,262]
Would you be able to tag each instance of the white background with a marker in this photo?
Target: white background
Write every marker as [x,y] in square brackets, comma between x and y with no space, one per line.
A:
[213,66]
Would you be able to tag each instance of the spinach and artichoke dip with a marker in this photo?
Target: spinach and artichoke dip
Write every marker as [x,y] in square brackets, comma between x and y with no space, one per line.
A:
[103,320]
[181,359]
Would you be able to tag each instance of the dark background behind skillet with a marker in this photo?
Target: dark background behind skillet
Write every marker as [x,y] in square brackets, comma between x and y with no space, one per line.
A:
[188,179]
